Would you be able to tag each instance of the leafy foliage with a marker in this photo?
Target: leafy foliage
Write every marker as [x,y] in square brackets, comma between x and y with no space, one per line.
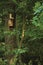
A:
[28,28]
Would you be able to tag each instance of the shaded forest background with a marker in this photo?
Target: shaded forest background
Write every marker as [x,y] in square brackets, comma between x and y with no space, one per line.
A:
[21,42]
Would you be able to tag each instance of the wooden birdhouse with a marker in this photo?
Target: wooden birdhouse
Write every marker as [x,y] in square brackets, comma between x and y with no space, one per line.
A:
[10,21]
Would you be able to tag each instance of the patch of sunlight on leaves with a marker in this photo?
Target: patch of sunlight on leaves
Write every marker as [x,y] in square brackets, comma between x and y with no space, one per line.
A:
[37,5]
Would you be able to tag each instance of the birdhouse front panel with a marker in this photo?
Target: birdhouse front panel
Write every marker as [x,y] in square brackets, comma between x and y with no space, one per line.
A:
[10,22]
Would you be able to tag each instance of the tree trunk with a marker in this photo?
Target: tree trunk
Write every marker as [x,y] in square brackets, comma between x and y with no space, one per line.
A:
[10,40]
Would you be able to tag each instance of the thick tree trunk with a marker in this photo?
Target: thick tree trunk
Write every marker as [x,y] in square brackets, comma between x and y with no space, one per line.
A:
[10,40]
